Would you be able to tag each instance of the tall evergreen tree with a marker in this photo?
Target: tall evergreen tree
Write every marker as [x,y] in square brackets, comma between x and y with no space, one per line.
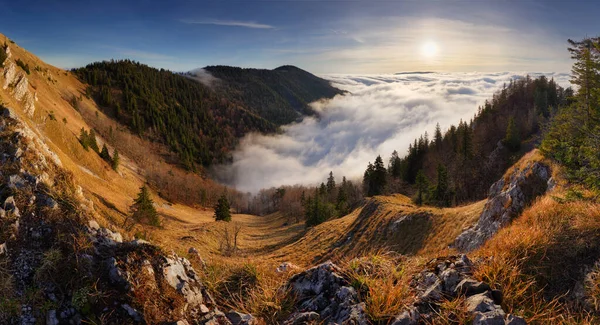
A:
[395,166]
[143,210]
[378,180]
[222,209]
[84,139]
[92,141]
[437,136]
[116,160]
[105,155]
[441,192]
[513,137]
[422,183]
[585,73]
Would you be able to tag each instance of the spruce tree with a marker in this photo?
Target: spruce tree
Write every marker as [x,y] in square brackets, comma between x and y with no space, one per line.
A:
[421,182]
[512,140]
[222,209]
[378,179]
[105,155]
[330,184]
[92,141]
[84,139]
[585,73]
[395,166]
[115,160]
[143,210]
[367,178]
[441,192]
[437,136]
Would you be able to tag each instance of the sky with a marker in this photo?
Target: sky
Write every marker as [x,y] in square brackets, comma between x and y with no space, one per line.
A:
[323,37]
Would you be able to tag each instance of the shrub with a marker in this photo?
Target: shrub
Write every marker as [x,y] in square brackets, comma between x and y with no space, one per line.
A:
[23,66]
[3,55]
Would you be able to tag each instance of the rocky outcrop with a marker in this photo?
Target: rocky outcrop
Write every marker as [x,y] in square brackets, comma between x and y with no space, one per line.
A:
[10,73]
[450,278]
[326,297]
[507,199]
[82,271]
[20,85]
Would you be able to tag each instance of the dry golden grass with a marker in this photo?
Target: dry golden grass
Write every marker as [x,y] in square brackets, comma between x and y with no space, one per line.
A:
[540,258]
[531,260]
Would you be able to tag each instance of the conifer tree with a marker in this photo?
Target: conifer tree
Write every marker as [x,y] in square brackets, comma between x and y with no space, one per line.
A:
[143,210]
[395,166]
[441,192]
[93,144]
[512,139]
[378,179]
[84,139]
[437,136]
[330,184]
[421,182]
[585,73]
[115,160]
[222,209]
[105,155]
[367,178]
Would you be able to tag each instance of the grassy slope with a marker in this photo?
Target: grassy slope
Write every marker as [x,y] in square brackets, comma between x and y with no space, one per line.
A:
[536,259]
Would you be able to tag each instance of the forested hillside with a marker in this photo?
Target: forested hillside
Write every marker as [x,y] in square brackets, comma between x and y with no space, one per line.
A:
[460,164]
[281,95]
[197,124]
[573,138]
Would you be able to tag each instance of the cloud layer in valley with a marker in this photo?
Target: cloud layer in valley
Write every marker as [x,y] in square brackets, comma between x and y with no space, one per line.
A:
[382,113]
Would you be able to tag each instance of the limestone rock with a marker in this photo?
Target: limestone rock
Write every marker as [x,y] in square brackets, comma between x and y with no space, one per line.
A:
[180,275]
[505,202]
[10,73]
[323,292]
[237,318]
[286,267]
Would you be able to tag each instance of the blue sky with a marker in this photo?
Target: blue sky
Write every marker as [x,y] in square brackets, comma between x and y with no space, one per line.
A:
[319,36]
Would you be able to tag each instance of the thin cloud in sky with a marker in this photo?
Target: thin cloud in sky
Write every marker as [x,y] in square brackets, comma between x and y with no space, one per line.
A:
[235,23]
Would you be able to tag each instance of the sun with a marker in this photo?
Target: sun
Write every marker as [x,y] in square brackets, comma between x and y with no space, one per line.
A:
[429,49]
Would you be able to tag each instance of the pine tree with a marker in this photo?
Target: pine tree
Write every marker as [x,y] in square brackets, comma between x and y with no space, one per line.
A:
[585,73]
[378,180]
[441,192]
[330,184]
[84,139]
[395,166]
[143,210]
[115,160]
[437,137]
[512,140]
[105,155]
[422,183]
[92,141]
[342,198]
[222,209]
[367,178]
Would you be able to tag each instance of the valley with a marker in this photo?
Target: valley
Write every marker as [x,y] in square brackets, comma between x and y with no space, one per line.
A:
[493,220]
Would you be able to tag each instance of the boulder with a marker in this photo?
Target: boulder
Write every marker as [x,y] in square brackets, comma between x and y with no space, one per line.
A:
[321,291]
[181,276]
[237,318]
[470,287]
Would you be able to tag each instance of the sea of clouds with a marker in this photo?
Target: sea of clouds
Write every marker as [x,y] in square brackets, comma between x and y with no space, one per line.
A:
[379,114]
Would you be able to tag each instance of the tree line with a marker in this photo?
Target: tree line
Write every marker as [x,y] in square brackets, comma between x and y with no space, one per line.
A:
[573,137]
[197,124]
[459,164]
